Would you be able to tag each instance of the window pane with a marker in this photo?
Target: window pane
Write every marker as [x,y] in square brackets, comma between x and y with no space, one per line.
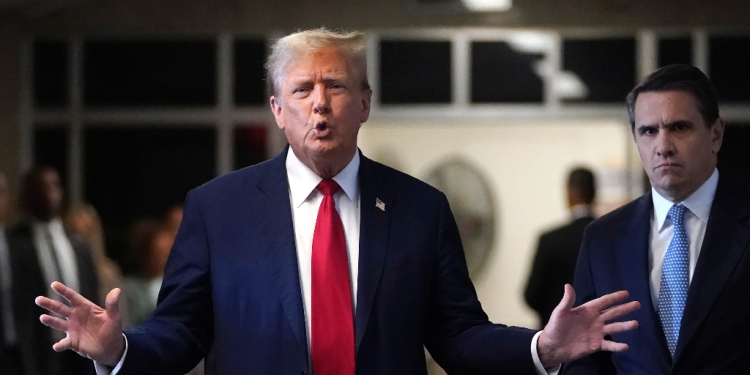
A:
[149,73]
[50,74]
[728,63]
[249,73]
[51,149]
[734,156]
[250,145]
[606,67]
[501,74]
[139,171]
[415,72]
[675,51]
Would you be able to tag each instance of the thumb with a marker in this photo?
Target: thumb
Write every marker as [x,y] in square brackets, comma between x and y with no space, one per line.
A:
[569,298]
[112,303]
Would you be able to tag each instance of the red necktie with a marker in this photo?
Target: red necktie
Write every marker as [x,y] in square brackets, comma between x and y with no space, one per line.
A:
[332,318]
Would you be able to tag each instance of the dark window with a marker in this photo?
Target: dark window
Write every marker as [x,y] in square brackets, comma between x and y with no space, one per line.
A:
[149,73]
[249,73]
[675,51]
[734,156]
[138,172]
[51,149]
[414,72]
[50,73]
[250,145]
[728,64]
[606,67]
[502,74]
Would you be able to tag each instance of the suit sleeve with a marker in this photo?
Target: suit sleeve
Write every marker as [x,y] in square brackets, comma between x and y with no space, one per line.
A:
[179,333]
[598,363]
[458,333]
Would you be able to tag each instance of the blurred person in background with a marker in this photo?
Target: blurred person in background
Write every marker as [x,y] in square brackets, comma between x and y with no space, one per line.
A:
[152,241]
[45,252]
[557,252]
[173,218]
[9,359]
[83,220]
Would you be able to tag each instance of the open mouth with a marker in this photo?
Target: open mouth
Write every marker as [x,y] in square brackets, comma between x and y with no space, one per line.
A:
[321,129]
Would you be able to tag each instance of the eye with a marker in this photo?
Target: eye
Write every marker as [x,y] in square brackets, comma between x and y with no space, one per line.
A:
[647,130]
[680,127]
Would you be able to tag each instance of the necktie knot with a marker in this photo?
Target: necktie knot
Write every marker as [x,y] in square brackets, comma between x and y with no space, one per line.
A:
[677,214]
[328,187]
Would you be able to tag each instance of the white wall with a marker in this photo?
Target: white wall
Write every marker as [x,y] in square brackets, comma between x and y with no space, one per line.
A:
[526,164]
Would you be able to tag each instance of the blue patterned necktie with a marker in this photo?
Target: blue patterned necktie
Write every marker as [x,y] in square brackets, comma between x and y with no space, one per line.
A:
[674,279]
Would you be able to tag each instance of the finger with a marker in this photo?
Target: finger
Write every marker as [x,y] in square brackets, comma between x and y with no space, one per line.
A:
[112,303]
[620,310]
[608,300]
[62,345]
[569,298]
[53,306]
[69,294]
[53,322]
[611,346]
[619,327]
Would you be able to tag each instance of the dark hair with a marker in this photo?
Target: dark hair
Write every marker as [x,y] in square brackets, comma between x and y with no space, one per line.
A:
[582,182]
[679,77]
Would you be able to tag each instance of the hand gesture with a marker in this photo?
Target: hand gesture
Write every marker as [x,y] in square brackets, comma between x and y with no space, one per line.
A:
[575,332]
[91,331]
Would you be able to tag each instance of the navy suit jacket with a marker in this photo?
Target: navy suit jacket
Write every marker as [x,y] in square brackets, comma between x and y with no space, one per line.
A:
[231,289]
[715,331]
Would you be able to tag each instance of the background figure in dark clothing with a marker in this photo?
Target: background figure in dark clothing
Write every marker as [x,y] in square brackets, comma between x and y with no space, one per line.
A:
[9,362]
[557,252]
[43,252]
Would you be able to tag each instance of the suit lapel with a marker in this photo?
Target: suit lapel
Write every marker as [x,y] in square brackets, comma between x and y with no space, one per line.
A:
[281,248]
[373,241]
[632,262]
[723,245]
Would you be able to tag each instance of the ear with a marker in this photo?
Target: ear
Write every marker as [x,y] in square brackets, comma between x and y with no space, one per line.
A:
[276,109]
[366,99]
[717,135]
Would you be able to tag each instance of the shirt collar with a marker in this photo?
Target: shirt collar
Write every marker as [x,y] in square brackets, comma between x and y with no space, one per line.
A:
[699,203]
[580,211]
[303,181]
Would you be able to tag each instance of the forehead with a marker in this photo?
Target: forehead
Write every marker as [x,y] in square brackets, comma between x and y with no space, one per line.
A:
[327,60]
[666,105]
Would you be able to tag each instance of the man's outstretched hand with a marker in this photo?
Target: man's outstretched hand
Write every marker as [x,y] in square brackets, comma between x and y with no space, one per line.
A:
[575,332]
[91,331]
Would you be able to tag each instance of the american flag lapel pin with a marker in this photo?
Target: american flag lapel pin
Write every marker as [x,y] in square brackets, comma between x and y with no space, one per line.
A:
[379,204]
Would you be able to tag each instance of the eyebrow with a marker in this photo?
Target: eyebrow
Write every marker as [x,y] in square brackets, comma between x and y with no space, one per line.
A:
[667,125]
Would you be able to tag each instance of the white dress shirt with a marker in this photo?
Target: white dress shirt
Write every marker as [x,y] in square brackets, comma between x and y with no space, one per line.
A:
[305,200]
[53,230]
[699,206]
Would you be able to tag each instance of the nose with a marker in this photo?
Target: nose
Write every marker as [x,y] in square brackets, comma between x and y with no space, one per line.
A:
[664,144]
[321,103]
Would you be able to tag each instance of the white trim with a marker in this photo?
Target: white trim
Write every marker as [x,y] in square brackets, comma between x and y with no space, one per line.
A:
[225,88]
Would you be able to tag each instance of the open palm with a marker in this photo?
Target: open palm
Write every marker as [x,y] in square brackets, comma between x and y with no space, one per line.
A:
[91,331]
[575,332]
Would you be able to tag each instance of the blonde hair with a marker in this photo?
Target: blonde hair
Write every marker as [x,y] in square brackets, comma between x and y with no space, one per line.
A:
[293,47]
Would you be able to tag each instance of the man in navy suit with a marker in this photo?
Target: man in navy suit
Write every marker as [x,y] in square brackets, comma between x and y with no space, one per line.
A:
[681,249]
[323,261]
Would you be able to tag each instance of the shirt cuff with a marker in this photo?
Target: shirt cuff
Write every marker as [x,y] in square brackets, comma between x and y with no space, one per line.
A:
[106,370]
[540,370]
